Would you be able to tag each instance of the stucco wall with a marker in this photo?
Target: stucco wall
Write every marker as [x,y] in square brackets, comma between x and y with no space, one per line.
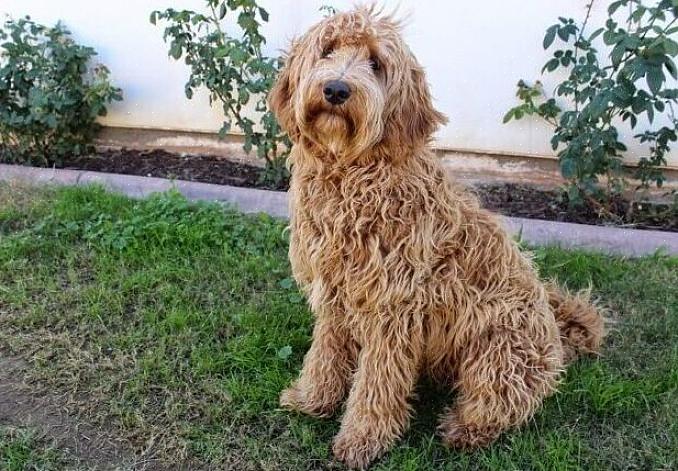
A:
[474,53]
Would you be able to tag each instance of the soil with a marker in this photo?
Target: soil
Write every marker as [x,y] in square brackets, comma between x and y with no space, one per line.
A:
[508,199]
[553,205]
[90,447]
[161,164]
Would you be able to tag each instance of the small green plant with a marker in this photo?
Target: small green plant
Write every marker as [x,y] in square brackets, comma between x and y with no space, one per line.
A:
[233,69]
[633,84]
[50,95]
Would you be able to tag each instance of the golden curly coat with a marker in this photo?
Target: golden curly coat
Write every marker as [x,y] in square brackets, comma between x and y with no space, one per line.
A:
[406,274]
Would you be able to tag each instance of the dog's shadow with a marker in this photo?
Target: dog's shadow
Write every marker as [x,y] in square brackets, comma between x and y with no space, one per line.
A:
[429,403]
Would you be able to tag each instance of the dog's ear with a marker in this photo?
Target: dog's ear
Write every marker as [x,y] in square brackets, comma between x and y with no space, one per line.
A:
[421,119]
[280,98]
[414,119]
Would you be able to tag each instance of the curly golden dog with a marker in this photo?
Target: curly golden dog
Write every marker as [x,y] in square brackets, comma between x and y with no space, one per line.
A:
[406,274]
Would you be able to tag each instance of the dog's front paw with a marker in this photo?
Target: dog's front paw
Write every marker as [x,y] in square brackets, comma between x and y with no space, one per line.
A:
[294,398]
[357,450]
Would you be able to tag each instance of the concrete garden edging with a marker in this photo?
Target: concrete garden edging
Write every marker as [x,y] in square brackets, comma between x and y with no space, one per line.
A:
[613,240]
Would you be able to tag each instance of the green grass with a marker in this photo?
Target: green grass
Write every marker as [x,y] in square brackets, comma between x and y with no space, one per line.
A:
[179,322]
[23,450]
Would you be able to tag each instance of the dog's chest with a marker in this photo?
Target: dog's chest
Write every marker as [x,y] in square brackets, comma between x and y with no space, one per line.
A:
[341,228]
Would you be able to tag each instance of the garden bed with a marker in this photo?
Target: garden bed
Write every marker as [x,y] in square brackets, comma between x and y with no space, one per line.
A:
[508,199]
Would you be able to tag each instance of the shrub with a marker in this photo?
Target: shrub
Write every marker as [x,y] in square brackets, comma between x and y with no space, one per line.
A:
[233,69]
[49,96]
[599,94]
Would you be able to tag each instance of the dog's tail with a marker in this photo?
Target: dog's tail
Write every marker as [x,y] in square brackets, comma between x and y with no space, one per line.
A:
[579,320]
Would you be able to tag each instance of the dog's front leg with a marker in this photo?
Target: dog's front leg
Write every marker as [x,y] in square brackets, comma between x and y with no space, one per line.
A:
[327,369]
[378,410]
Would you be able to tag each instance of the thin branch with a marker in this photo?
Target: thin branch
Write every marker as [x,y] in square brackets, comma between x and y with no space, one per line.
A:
[589,7]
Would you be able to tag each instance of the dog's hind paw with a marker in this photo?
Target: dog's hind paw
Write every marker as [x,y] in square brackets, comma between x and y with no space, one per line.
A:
[467,436]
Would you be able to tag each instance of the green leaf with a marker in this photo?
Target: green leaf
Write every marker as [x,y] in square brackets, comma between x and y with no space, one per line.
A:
[175,50]
[596,33]
[613,7]
[264,14]
[238,55]
[550,36]
[655,79]
[222,11]
[617,54]
[221,52]
[638,13]
[51,121]
[295,298]
[286,283]
[508,116]
[551,65]
[671,67]
[243,96]
[670,46]
[154,17]
[285,352]
[568,168]
[563,33]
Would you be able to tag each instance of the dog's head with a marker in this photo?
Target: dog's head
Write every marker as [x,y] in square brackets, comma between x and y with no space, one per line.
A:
[350,86]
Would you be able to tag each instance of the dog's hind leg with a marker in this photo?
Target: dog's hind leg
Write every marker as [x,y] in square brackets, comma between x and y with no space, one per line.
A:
[327,369]
[503,379]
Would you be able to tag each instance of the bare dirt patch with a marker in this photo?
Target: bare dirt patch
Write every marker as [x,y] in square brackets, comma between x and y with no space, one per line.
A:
[89,447]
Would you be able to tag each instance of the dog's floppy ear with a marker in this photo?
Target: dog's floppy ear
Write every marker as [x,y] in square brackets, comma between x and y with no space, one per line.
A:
[420,118]
[413,119]
[281,96]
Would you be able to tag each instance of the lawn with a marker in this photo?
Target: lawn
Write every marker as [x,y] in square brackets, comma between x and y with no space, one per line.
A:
[176,325]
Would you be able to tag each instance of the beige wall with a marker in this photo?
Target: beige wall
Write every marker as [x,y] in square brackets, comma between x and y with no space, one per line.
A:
[474,53]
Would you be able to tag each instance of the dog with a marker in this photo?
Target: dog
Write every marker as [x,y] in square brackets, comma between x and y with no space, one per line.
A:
[406,274]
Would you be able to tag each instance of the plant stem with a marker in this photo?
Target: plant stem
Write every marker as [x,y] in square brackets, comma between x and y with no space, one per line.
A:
[589,7]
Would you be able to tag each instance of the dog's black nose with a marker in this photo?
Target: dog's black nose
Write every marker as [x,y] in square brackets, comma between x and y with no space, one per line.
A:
[336,92]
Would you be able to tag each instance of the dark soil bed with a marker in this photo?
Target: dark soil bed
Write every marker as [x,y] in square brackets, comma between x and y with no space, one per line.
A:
[158,163]
[507,199]
[552,205]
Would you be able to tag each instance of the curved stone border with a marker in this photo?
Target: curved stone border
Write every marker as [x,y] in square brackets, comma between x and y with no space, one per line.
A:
[630,242]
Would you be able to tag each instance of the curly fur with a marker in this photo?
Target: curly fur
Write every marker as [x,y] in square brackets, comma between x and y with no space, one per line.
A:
[406,274]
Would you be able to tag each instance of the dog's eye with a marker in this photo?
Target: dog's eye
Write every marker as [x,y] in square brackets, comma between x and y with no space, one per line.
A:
[326,52]
[374,63]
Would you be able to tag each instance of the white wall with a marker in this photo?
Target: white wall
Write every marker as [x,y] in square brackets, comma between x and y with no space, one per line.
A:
[474,53]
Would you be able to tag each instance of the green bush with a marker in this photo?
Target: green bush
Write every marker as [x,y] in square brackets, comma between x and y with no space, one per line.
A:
[233,69]
[49,96]
[598,92]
